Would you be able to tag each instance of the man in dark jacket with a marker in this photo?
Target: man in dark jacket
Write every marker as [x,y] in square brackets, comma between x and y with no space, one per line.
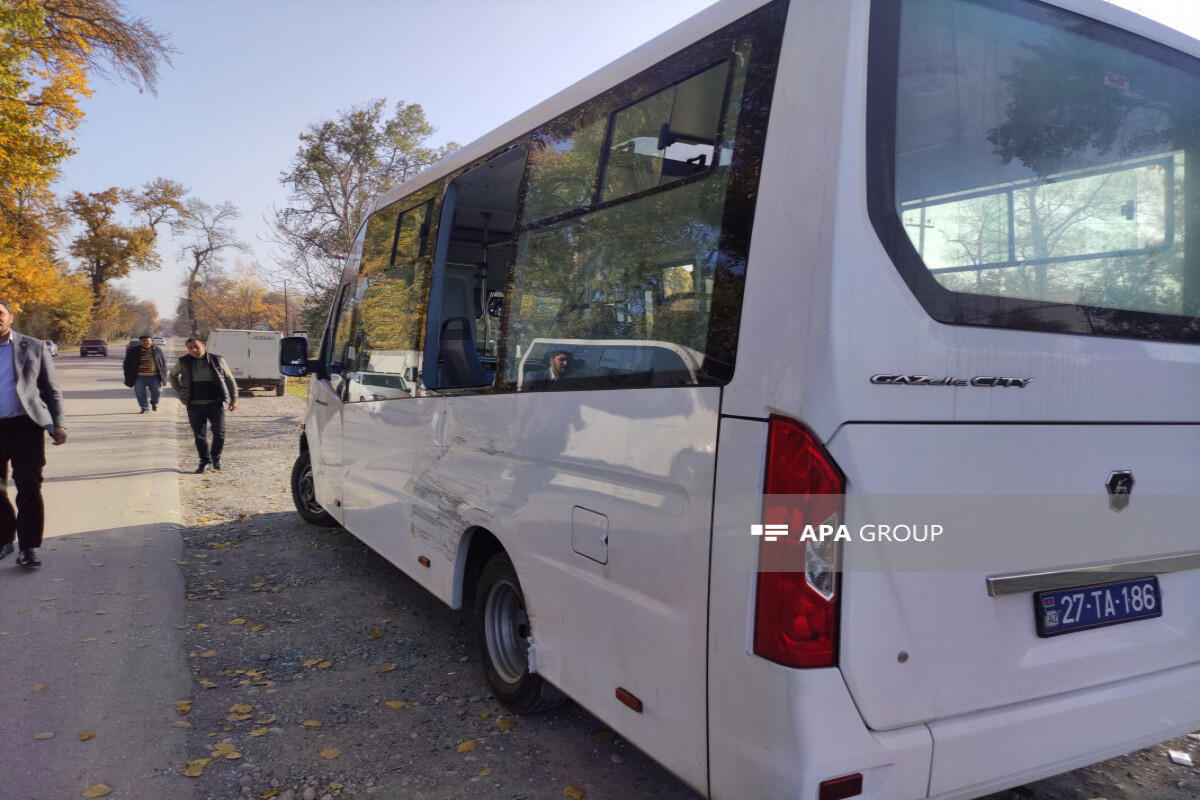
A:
[30,408]
[145,372]
[205,385]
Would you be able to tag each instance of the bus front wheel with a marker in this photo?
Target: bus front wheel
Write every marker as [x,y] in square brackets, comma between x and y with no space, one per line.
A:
[503,631]
[304,494]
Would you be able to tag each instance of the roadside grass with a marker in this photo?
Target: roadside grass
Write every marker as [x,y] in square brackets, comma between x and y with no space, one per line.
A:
[297,388]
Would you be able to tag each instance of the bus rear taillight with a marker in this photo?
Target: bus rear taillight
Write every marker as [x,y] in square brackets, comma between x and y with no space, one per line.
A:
[795,622]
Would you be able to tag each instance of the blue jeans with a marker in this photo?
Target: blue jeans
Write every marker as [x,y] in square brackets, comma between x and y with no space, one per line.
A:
[144,382]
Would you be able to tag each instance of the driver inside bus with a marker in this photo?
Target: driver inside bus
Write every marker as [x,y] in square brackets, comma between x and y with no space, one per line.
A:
[558,367]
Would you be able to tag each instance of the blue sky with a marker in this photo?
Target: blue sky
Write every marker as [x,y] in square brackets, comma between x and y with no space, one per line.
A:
[251,75]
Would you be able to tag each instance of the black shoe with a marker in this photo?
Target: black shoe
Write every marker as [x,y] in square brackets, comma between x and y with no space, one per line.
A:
[27,558]
[6,550]
[143,411]
[203,465]
[154,407]
[216,465]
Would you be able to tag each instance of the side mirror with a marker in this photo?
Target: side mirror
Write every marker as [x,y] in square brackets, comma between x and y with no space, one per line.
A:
[293,357]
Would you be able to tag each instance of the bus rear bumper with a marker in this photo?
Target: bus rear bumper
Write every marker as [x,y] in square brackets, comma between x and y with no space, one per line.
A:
[992,750]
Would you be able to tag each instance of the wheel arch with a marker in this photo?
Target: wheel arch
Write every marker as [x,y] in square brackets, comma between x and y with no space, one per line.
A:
[475,547]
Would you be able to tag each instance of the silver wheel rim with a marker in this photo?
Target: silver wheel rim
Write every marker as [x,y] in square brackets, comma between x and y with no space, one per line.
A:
[506,630]
[308,495]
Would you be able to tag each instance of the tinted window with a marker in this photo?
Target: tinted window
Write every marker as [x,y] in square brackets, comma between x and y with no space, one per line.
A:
[1037,170]
[643,287]
[384,337]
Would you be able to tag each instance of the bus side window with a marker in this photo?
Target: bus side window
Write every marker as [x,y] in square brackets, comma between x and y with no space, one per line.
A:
[478,219]
[390,304]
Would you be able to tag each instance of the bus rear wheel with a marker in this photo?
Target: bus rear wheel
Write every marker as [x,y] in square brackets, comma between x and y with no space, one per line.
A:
[503,631]
[304,494]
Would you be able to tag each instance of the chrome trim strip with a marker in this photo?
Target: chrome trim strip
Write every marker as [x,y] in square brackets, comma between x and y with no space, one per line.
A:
[1021,582]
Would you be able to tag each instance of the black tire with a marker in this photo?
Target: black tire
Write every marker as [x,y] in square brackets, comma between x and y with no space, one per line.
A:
[279,389]
[502,631]
[304,497]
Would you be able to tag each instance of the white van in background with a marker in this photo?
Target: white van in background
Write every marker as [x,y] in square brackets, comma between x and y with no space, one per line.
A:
[877,471]
[252,355]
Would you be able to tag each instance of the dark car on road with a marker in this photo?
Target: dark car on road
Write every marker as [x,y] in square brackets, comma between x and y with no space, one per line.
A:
[93,347]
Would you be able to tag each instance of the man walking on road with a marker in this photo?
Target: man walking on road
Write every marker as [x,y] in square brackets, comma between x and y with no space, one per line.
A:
[30,407]
[205,385]
[145,371]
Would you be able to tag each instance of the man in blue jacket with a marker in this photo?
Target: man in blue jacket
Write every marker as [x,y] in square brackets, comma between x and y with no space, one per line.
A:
[30,407]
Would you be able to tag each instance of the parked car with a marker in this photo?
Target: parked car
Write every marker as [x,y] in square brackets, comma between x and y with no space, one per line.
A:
[93,347]
[159,340]
[52,347]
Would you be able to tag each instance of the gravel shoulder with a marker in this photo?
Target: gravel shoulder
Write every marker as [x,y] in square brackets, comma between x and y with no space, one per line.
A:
[321,671]
[290,624]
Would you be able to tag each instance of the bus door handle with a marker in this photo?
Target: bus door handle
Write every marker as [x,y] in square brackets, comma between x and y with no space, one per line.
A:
[319,401]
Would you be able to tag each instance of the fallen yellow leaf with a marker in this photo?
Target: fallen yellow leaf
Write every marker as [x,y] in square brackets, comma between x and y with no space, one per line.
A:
[222,748]
[256,629]
[181,724]
[467,746]
[312,661]
[238,621]
[233,756]
[183,707]
[387,667]
[46,735]
[395,703]
[485,715]
[267,794]
[374,635]
[37,687]
[195,769]
[573,792]
[325,665]
[209,654]
[335,785]
[266,720]
[201,624]
[97,790]
[241,708]
[312,723]
[506,724]
[483,773]
[260,731]
[83,737]
[330,753]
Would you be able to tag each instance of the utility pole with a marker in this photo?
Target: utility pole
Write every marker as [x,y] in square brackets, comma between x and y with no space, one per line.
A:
[286,327]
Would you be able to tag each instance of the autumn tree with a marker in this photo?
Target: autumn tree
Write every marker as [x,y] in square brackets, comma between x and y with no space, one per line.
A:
[209,235]
[107,249]
[120,314]
[63,313]
[340,167]
[48,48]
[241,302]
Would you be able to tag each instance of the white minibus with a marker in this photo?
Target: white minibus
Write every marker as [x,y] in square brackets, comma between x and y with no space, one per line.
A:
[813,394]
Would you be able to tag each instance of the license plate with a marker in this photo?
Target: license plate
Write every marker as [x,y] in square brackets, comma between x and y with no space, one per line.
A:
[1068,610]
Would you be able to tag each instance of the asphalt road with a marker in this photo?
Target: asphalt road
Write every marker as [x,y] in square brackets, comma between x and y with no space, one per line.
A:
[89,643]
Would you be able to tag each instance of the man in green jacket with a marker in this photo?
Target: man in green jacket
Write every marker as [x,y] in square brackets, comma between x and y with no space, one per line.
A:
[205,385]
